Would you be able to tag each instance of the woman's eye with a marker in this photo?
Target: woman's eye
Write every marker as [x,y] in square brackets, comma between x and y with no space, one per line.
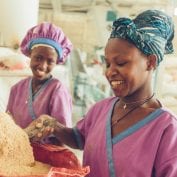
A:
[51,62]
[121,64]
[38,58]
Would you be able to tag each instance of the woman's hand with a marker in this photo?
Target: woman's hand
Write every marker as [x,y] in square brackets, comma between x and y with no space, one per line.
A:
[45,125]
[41,127]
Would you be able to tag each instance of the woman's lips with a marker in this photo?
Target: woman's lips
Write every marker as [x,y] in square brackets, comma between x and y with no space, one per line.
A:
[115,84]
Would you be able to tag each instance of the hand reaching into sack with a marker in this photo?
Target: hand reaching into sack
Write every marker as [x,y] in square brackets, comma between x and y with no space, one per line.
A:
[41,127]
[45,125]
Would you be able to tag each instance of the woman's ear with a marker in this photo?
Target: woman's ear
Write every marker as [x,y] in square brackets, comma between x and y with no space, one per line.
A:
[151,62]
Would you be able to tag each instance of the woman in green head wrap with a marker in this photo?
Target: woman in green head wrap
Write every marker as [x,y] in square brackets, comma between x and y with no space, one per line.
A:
[130,134]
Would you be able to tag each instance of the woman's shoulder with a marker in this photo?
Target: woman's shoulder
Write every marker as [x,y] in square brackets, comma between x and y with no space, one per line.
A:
[105,103]
[107,100]
[169,113]
[168,117]
[22,83]
[57,84]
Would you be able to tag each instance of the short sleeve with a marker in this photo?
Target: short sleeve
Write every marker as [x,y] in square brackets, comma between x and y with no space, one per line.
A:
[82,128]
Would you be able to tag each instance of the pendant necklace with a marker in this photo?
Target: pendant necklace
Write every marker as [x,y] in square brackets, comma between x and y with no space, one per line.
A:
[131,110]
[134,102]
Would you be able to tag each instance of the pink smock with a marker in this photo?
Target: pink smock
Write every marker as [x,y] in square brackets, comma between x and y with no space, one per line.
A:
[53,99]
[146,149]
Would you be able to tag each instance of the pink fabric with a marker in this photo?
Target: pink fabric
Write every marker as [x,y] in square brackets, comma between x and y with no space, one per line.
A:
[48,31]
[54,99]
[149,151]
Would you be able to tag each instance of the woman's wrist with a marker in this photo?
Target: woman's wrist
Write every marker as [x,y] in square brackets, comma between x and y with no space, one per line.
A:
[58,128]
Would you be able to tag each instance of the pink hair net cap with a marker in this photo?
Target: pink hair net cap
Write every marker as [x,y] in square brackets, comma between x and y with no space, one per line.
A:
[49,34]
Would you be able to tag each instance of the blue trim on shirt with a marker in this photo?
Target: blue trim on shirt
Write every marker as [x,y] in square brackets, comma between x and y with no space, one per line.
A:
[31,97]
[48,42]
[78,138]
[137,126]
[43,86]
[109,142]
[30,101]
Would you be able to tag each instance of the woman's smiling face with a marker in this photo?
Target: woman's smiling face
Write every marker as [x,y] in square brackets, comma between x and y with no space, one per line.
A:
[43,60]
[126,67]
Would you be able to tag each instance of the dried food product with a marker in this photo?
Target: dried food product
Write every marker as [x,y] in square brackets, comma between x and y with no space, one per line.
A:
[16,153]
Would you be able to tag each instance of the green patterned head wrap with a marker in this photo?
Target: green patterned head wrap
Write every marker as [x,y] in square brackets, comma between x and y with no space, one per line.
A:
[152,32]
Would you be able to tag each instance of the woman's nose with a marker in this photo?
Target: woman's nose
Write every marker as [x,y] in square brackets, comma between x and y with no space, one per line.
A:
[112,70]
[43,65]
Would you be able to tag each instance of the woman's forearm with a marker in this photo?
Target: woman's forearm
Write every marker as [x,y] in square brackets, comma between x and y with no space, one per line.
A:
[65,135]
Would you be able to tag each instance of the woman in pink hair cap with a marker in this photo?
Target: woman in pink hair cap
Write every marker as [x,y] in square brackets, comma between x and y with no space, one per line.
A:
[47,46]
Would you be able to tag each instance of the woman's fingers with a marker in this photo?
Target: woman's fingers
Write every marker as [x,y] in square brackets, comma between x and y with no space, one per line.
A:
[41,127]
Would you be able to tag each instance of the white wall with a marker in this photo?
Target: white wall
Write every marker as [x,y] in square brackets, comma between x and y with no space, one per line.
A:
[17,16]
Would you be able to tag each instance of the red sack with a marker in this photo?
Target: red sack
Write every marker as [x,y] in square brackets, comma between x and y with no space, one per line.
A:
[63,161]
[56,156]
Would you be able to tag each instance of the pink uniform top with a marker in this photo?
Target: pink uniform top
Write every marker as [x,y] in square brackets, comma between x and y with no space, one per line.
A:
[53,99]
[146,149]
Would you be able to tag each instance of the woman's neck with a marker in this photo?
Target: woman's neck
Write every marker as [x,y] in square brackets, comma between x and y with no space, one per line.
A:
[36,82]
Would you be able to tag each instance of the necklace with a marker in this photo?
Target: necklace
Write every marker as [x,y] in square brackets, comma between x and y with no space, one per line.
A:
[134,102]
[131,110]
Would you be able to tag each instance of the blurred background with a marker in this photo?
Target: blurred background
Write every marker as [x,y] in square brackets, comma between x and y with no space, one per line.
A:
[88,24]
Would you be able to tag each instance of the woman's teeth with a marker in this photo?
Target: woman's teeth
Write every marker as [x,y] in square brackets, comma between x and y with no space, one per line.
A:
[115,84]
